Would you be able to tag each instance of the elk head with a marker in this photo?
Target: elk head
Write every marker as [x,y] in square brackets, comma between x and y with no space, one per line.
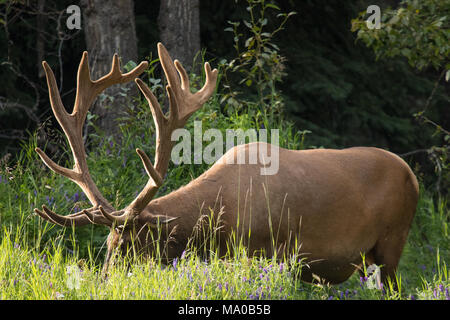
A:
[129,224]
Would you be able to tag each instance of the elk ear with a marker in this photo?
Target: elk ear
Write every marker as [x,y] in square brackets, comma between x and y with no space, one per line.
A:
[160,219]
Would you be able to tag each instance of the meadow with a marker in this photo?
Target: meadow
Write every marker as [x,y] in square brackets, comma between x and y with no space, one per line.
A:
[39,260]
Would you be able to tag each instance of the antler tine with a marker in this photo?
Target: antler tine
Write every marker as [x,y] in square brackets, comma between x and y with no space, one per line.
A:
[210,84]
[87,89]
[188,102]
[76,219]
[72,124]
[158,116]
[55,99]
[151,172]
[116,76]
[150,189]
[56,167]
[168,66]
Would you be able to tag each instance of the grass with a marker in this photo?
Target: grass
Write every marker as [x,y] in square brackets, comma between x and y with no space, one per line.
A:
[27,274]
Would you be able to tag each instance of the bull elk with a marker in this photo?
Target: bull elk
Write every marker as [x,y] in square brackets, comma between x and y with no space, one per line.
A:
[339,203]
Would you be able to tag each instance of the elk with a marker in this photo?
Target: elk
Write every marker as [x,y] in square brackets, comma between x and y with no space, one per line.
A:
[337,203]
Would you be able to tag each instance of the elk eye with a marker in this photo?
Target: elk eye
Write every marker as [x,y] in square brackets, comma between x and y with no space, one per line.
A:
[119,229]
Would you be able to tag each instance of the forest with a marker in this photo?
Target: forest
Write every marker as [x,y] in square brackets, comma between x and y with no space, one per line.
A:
[320,72]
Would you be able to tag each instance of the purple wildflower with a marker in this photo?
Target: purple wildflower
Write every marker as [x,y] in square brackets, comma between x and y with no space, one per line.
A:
[362,280]
[50,201]
[174,264]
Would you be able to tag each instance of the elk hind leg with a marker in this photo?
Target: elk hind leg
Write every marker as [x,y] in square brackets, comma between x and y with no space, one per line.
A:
[387,254]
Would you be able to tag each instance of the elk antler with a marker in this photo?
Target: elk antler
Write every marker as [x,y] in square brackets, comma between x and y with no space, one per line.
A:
[182,104]
[72,124]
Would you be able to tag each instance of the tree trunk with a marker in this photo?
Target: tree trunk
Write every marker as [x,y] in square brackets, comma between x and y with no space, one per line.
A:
[109,28]
[179,27]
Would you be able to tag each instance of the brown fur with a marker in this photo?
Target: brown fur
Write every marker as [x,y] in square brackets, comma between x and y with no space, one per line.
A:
[338,203]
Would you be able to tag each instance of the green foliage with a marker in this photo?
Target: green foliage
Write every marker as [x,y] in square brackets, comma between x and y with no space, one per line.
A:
[258,64]
[416,30]
[250,80]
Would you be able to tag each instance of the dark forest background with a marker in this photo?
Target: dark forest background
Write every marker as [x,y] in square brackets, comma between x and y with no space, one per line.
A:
[332,85]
